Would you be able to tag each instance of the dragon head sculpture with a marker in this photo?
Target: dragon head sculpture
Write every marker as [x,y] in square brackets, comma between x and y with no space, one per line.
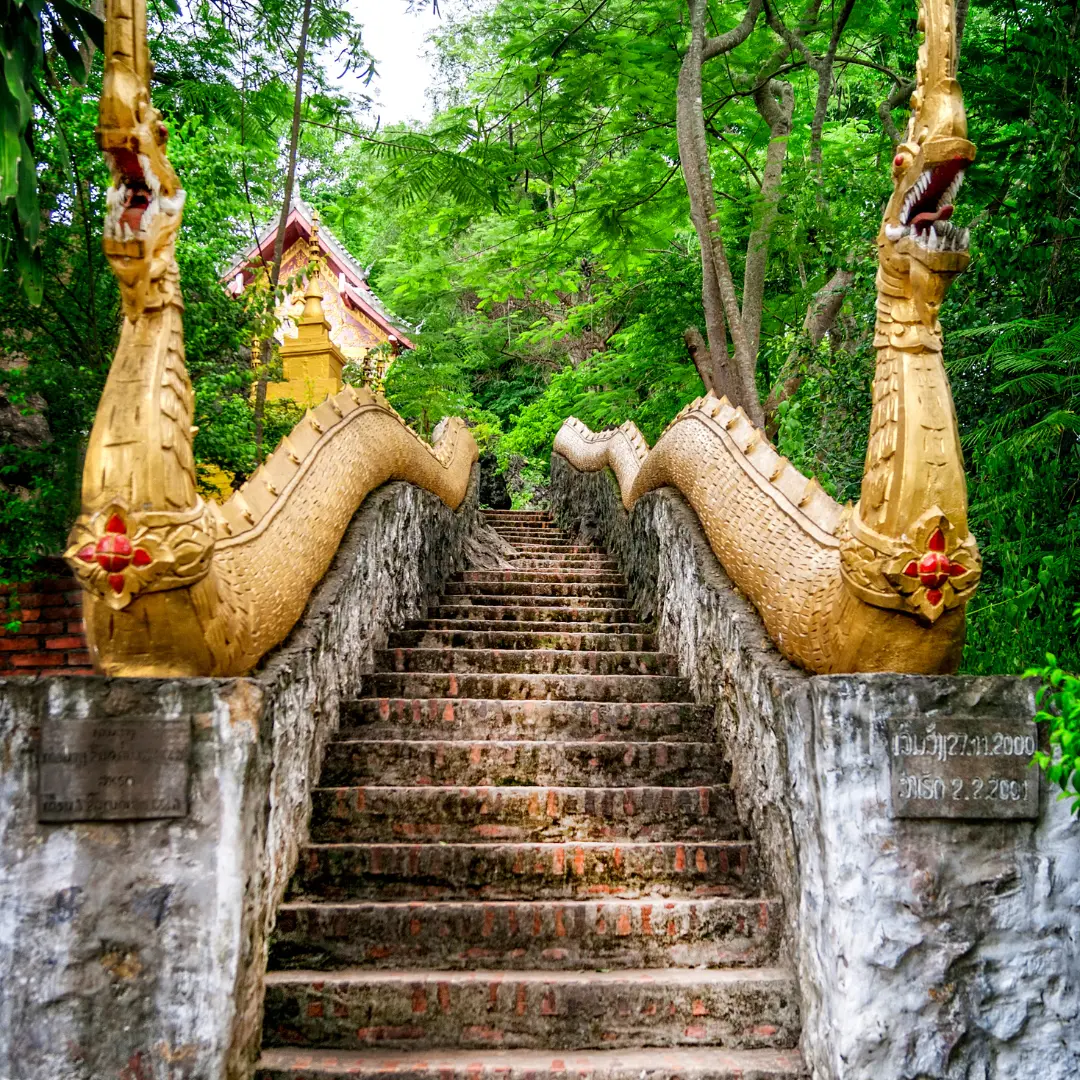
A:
[145,199]
[918,240]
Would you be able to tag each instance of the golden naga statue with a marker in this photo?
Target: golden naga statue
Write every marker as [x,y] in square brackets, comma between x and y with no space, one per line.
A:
[173,585]
[881,586]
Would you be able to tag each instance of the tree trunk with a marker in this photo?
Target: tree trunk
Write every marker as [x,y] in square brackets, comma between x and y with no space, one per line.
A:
[775,102]
[824,70]
[279,239]
[694,158]
[702,358]
[733,375]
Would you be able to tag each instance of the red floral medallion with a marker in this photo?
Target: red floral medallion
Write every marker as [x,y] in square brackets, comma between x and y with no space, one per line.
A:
[939,570]
[114,553]
[935,568]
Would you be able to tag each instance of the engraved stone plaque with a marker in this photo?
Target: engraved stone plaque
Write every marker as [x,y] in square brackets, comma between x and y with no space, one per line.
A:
[963,767]
[104,769]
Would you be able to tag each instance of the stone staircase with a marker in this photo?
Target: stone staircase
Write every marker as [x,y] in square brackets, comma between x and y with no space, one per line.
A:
[525,860]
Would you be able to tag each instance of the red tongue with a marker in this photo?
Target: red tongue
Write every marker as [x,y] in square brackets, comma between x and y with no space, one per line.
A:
[922,222]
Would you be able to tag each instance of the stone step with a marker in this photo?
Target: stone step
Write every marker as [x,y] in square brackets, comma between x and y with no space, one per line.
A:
[737,1008]
[533,521]
[511,687]
[542,814]
[543,515]
[452,635]
[576,589]
[530,530]
[535,536]
[529,611]
[540,517]
[710,1063]
[476,603]
[512,628]
[518,517]
[557,547]
[464,718]
[526,661]
[544,935]
[503,764]
[539,560]
[508,871]
[539,577]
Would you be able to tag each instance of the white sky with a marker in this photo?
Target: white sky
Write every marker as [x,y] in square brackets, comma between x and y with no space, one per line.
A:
[395,37]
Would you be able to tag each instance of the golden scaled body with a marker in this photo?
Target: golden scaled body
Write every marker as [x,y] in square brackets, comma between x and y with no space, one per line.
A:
[880,586]
[173,585]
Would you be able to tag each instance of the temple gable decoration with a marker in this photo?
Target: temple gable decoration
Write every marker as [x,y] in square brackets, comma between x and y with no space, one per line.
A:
[353,328]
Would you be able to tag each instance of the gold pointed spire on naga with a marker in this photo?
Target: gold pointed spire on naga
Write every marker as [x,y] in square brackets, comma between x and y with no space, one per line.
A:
[881,586]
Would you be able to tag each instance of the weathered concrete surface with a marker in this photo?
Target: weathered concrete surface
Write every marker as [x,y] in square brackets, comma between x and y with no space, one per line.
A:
[924,949]
[136,951]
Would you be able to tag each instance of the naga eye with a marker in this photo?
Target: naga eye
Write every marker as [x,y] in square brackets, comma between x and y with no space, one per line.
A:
[899,160]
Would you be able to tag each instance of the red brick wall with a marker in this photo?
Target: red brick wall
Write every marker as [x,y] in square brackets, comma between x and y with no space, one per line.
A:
[51,639]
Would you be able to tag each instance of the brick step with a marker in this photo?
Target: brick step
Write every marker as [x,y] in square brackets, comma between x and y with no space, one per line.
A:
[543,530]
[453,635]
[559,543]
[576,589]
[541,577]
[574,871]
[518,517]
[543,515]
[525,661]
[558,547]
[535,536]
[537,560]
[464,718]
[738,1008]
[542,814]
[529,611]
[511,687]
[477,601]
[542,935]
[494,517]
[511,628]
[710,1063]
[503,764]
[530,530]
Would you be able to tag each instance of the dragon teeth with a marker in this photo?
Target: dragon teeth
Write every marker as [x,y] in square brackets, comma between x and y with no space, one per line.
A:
[174,204]
[894,232]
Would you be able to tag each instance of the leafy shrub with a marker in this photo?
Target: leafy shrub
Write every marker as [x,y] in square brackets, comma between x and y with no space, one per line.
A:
[1058,702]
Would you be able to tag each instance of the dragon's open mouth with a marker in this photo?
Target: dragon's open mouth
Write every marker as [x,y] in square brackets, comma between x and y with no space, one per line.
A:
[135,198]
[928,206]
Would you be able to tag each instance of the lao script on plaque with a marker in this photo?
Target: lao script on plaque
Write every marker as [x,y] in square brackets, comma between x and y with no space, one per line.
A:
[113,769]
[963,767]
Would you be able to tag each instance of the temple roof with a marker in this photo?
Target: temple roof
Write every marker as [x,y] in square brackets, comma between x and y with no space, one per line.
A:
[354,288]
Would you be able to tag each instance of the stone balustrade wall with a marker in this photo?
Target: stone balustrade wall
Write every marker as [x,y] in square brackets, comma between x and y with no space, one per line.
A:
[924,949]
[135,950]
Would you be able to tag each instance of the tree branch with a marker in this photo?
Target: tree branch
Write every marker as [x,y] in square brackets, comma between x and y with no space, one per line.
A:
[724,43]
[718,134]
[702,358]
[718,287]
[824,69]
[893,101]
[792,40]
[776,103]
